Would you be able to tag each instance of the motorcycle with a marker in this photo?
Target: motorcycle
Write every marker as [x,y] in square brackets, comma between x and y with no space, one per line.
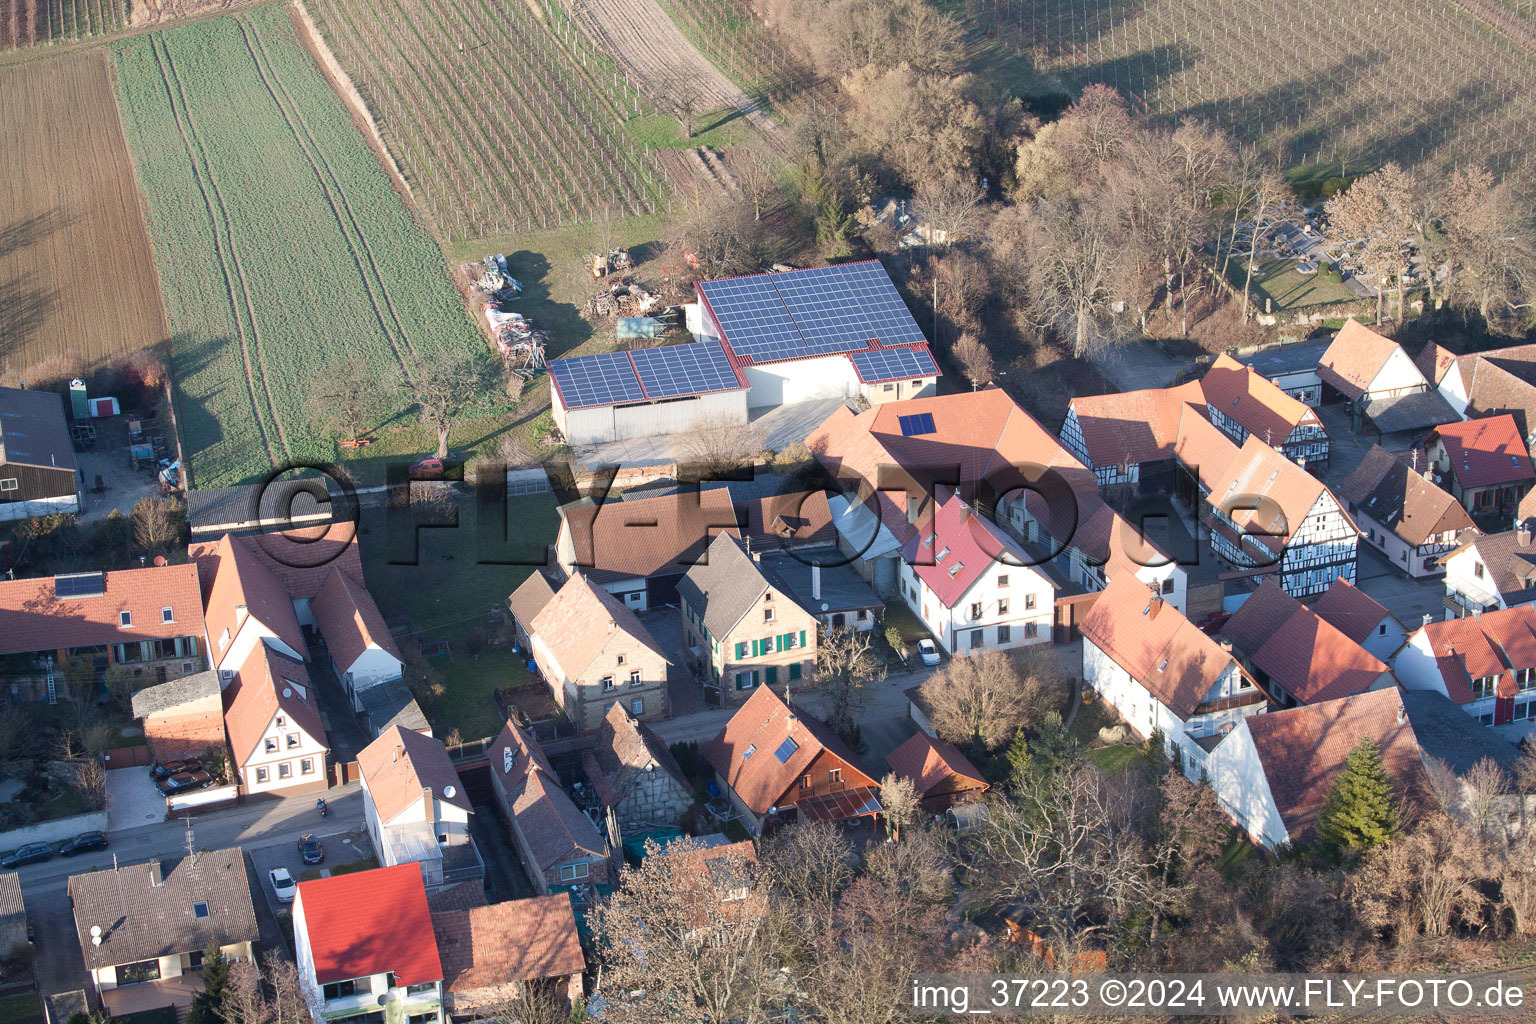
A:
[321,804]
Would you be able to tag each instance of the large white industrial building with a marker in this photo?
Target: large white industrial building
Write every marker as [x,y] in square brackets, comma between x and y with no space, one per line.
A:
[759,342]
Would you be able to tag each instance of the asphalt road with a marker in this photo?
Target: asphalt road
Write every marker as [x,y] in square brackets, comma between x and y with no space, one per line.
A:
[253,826]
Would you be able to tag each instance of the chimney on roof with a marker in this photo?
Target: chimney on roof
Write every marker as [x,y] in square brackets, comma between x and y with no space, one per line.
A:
[1427,619]
[1226,645]
[965,511]
[395,754]
[1402,714]
[1477,613]
[815,582]
[1523,533]
[610,625]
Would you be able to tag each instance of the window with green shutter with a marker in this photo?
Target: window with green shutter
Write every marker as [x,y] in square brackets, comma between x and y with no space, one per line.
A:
[794,671]
[772,674]
[741,650]
[802,638]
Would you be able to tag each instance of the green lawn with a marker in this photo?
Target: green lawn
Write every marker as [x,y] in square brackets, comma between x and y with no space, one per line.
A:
[22,1009]
[1113,759]
[899,615]
[470,702]
[718,128]
[1279,281]
[361,864]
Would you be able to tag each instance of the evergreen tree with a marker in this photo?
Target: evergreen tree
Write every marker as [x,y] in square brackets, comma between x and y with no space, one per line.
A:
[1359,813]
[208,1005]
[1017,758]
[1054,749]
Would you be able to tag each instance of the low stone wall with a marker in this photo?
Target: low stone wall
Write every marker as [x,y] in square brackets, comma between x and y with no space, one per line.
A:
[55,831]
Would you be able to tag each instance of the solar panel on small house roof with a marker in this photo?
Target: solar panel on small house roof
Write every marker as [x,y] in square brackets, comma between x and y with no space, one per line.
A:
[786,750]
[881,364]
[802,313]
[80,584]
[673,371]
[916,425]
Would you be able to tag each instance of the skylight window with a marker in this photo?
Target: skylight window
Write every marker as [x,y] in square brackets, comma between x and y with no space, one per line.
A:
[751,749]
[786,750]
[954,570]
[943,553]
[200,909]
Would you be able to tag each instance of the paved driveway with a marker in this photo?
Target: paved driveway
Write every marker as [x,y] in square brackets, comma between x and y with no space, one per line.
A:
[132,799]
[340,848]
[1139,364]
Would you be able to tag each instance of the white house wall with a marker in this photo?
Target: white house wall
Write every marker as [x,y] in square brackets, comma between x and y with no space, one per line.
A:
[1236,776]
[374,666]
[1397,376]
[899,390]
[248,634]
[1454,390]
[1415,665]
[308,749]
[801,380]
[597,424]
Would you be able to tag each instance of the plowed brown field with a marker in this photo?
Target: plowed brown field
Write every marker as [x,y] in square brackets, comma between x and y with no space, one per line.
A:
[76,275]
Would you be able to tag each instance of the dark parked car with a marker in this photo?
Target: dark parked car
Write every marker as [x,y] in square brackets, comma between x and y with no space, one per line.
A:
[32,853]
[83,842]
[169,768]
[182,782]
[311,850]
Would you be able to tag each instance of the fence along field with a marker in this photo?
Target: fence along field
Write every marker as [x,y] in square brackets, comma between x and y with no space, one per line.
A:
[279,241]
[26,22]
[499,113]
[75,270]
[1423,82]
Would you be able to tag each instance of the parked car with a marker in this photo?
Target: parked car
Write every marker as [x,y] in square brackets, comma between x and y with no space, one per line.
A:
[32,853]
[160,771]
[433,468]
[183,782]
[283,885]
[310,849]
[928,651]
[83,842]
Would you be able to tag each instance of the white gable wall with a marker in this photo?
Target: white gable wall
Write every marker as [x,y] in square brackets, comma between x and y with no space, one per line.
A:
[1236,776]
[801,380]
[1397,376]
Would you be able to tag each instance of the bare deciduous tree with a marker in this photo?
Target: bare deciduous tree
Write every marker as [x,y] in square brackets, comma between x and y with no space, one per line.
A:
[717,445]
[846,666]
[975,359]
[1488,240]
[899,799]
[949,206]
[444,387]
[1075,246]
[91,783]
[982,699]
[345,395]
[157,523]
[809,863]
[1376,212]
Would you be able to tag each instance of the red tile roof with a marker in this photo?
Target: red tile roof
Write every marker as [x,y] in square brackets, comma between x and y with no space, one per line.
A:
[1156,645]
[400,764]
[266,683]
[1355,358]
[1304,653]
[802,518]
[1134,426]
[1203,449]
[580,620]
[1493,644]
[745,753]
[519,940]
[1486,451]
[32,618]
[956,549]
[301,559]
[349,621]
[928,762]
[371,922]
[1434,362]
[1350,610]
[242,580]
[1303,750]
[1255,402]
[663,535]
[1260,472]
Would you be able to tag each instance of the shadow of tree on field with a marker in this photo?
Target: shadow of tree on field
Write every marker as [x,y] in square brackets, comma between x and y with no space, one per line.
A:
[19,234]
[23,312]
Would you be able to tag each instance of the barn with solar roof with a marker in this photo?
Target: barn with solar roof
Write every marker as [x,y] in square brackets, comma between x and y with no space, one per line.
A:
[760,342]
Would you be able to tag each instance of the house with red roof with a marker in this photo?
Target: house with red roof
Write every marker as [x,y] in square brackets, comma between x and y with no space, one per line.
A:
[775,762]
[1484,463]
[416,808]
[1243,404]
[364,941]
[247,606]
[144,624]
[277,738]
[1485,663]
[1123,437]
[1273,772]
[1161,674]
[490,952]
[1298,656]
[940,775]
[1362,618]
[559,845]
[357,642]
[973,585]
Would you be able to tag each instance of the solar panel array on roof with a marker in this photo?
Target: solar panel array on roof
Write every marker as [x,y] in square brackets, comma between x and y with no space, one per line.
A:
[613,378]
[810,312]
[684,369]
[916,425]
[80,584]
[894,364]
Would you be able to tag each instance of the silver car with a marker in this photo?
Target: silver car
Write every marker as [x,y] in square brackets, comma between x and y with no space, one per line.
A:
[283,885]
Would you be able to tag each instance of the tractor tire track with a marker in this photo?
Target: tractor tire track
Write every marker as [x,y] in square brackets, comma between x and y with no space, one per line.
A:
[234,258]
[218,247]
[333,190]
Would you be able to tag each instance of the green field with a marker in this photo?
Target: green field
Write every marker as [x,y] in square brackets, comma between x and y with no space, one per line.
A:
[279,241]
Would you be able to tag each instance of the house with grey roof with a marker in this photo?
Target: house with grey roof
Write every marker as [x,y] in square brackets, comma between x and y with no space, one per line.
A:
[143,927]
[1453,743]
[742,629]
[37,457]
[823,583]
[13,916]
[183,717]
[390,704]
[635,775]
[559,845]
[289,501]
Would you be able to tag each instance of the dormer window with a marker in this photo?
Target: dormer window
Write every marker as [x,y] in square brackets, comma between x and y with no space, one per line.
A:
[167,614]
[954,570]
[240,612]
[223,641]
[125,619]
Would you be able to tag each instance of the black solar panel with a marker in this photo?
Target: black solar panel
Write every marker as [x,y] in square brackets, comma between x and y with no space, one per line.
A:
[606,379]
[80,584]
[786,750]
[894,364]
[916,425]
[684,369]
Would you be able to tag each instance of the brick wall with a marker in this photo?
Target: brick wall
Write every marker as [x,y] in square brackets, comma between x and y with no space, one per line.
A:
[189,729]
